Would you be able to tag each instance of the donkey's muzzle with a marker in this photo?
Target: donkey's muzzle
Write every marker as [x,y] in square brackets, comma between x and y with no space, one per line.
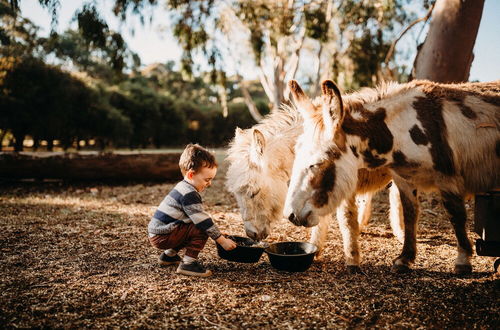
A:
[257,236]
[293,219]
[302,221]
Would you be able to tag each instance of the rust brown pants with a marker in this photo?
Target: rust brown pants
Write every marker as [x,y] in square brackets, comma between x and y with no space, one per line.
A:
[185,235]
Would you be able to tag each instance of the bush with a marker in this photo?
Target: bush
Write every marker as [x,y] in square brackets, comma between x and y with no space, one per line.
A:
[47,103]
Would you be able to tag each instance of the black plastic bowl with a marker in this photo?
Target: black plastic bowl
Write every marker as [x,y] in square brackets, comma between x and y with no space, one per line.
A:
[244,252]
[291,256]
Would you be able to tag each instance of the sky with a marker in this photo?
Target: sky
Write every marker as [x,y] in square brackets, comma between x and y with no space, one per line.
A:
[155,43]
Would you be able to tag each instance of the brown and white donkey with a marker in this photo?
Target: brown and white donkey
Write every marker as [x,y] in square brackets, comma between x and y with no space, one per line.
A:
[430,136]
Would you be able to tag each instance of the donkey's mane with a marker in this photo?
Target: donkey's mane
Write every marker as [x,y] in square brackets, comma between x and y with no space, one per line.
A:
[353,101]
[277,124]
[280,128]
[487,90]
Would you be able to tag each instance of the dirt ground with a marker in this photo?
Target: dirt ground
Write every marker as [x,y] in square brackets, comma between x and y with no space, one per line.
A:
[77,255]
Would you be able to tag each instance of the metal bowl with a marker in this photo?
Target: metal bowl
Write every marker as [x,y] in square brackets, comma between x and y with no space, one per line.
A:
[291,256]
[246,251]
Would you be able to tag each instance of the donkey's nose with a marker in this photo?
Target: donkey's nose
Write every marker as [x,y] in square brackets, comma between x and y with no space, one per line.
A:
[292,218]
[251,234]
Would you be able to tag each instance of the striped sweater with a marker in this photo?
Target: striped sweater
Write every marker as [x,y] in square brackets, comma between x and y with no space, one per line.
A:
[182,205]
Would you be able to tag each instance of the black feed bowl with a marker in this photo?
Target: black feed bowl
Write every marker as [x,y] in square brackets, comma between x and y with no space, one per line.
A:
[291,256]
[244,252]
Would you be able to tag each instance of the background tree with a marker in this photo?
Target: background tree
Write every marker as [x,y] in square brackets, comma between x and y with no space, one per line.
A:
[107,99]
[18,35]
[446,54]
[33,93]
[93,47]
[347,39]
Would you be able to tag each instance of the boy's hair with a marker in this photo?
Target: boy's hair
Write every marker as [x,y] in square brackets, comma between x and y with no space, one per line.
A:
[194,157]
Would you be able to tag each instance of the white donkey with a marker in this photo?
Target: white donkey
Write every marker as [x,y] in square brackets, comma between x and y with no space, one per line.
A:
[430,136]
[261,160]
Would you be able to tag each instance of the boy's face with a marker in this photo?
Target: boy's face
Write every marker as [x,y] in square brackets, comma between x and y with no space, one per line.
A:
[203,178]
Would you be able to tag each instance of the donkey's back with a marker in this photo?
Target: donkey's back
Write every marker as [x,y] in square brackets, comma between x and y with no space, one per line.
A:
[449,135]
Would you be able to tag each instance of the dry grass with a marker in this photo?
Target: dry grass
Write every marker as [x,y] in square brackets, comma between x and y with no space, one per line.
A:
[78,256]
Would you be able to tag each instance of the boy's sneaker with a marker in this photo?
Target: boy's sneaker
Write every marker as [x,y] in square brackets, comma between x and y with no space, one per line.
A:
[193,269]
[165,260]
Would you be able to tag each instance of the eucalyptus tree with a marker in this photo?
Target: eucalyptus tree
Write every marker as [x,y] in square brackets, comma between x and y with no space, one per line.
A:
[93,47]
[18,35]
[276,39]
[441,58]
[345,40]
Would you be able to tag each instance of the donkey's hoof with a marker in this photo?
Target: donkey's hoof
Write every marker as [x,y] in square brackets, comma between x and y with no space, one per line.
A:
[463,269]
[354,269]
[400,269]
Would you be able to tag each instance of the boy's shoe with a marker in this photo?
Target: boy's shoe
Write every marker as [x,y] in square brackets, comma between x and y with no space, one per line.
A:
[193,269]
[165,260]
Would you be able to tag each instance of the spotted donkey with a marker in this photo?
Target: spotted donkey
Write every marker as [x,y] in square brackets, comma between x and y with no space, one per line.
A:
[260,164]
[430,136]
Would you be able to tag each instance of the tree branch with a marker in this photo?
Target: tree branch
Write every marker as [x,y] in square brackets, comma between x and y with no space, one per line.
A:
[298,48]
[254,112]
[268,87]
[318,71]
[393,45]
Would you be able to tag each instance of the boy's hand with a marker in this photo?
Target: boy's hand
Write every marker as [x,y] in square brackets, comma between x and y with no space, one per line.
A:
[226,243]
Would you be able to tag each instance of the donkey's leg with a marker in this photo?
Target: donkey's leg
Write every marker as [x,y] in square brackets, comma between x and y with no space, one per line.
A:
[396,213]
[318,235]
[364,204]
[348,222]
[410,206]
[454,204]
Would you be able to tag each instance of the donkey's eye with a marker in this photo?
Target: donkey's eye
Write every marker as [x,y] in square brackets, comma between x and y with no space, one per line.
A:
[252,195]
[313,166]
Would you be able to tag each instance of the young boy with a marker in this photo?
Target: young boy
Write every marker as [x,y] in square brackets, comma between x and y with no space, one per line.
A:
[180,222]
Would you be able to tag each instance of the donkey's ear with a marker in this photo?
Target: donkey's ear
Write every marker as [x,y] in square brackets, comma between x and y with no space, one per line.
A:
[237,132]
[333,113]
[258,142]
[302,101]
[257,147]
[332,101]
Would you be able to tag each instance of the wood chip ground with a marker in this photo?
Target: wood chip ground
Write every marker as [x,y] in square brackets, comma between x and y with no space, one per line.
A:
[77,255]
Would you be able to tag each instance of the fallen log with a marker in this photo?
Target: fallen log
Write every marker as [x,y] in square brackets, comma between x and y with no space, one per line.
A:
[90,165]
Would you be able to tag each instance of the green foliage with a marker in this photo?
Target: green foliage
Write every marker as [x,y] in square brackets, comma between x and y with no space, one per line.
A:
[107,62]
[371,26]
[316,24]
[162,77]
[160,106]
[341,29]
[91,26]
[18,36]
[155,119]
[366,53]
[223,128]
[49,104]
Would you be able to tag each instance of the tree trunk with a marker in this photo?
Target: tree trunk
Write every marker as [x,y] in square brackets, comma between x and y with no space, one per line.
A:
[50,144]
[279,85]
[90,166]
[36,143]
[252,108]
[446,54]
[19,139]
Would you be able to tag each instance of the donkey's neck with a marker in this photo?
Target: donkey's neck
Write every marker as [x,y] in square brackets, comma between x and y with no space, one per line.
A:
[369,118]
[280,154]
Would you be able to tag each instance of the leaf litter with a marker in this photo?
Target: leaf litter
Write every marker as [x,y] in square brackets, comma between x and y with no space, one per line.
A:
[77,255]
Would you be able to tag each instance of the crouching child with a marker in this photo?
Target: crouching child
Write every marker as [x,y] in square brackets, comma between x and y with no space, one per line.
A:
[180,221]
